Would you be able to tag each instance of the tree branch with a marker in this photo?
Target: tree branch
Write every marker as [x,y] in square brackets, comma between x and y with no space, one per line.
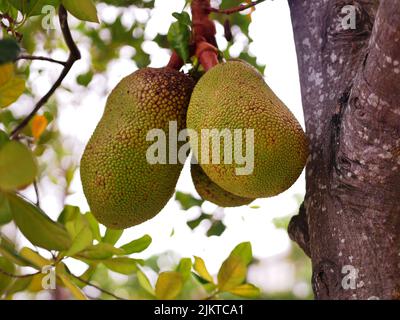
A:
[298,230]
[73,57]
[28,57]
[242,7]
[97,287]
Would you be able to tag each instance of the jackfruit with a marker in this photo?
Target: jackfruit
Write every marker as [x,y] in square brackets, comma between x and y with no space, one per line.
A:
[122,188]
[210,191]
[231,96]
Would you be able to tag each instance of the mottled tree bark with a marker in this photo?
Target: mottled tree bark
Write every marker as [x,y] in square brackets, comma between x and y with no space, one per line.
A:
[350,82]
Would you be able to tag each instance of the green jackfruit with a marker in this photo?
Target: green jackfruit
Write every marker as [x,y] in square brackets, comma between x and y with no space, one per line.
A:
[234,95]
[210,191]
[122,188]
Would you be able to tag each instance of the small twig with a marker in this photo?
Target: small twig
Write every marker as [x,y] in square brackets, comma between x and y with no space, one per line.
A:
[27,57]
[73,57]
[35,186]
[18,276]
[97,287]
[242,7]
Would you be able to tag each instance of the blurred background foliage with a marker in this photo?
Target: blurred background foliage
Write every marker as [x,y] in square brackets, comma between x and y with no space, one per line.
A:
[41,154]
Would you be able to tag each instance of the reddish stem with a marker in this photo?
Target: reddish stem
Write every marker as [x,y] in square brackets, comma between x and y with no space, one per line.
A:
[207,54]
[175,62]
[204,34]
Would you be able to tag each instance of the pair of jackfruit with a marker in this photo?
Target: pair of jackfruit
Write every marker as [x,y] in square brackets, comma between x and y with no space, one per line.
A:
[123,189]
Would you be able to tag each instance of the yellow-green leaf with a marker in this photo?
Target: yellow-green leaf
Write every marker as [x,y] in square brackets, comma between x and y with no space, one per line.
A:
[72,287]
[137,245]
[112,236]
[82,240]
[7,250]
[36,226]
[6,73]
[94,225]
[11,87]
[169,285]
[232,273]
[201,269]
[144,282]
[246,290]
[122,265]
[185,267]
[244,251]
[18,166]
[5,280]
[101,251]
[82,9]
[34,258]
[5,212]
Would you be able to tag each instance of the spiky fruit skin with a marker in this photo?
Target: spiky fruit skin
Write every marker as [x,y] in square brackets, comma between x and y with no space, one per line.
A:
[234,95]
[121,187]
[210,191]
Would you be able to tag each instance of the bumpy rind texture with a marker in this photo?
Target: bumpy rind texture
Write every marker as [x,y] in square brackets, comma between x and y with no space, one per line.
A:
[210,191]
[121,187]
[234,95]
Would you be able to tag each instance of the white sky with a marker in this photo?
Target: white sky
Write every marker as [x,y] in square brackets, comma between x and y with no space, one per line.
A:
[81,110]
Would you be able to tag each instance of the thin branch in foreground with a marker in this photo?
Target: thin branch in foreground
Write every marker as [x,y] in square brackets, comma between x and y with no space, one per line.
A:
[28,57]
[17,276]
[242,7]
[97,287]
[36,187]
[73,57]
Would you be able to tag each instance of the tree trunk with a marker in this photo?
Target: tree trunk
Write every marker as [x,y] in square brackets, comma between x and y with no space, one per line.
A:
[350,80]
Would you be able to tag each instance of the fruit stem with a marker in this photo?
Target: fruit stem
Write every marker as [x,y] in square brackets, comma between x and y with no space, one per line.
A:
[204,34]
[207,54]
[175,62]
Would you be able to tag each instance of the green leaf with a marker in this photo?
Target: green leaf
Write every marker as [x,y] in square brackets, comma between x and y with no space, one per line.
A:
[200,267]
[232,273]
[144,282]
[217,228]
[69,213]
[18,166]
[137,245]
[94,225]
[32,7]
[243,251]
[187,201]
[5,280]
[179,38]
[192,224]
[184,268]
[36,226]
[183,18]
[9,50]
[85,78]
[19,284]
[101,251]
[112,236]
[7,250]
[84,10]
[246,290]
[82,240]
[169,285]
[122,265]
[5,212]
[3,138]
